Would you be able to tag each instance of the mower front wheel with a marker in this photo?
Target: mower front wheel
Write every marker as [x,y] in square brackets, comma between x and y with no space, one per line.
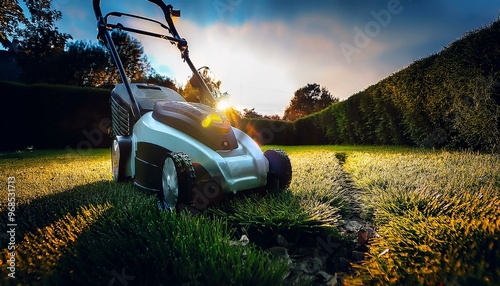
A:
[120,153]
[177,180]
[279,176]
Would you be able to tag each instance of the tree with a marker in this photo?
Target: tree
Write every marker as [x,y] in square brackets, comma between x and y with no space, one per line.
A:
[86,64]
[155,78]
[273,117]
[41,44]
[132,57]
[192,93]
[89,64]
[251,113]
[11,15]
[308,99]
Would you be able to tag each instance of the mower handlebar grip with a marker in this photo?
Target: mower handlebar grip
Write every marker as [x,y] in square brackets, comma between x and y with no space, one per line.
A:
[157,2]
[97,8]
[176,13]
[164,7]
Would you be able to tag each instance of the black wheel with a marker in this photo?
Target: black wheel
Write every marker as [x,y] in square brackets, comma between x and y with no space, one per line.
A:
[177,180]
[279,176]
[120,154]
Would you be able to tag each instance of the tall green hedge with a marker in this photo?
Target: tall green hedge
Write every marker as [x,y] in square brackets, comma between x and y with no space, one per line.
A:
[266,132]
[49,116]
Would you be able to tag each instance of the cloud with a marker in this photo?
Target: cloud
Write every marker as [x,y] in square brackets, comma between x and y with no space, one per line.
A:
[261,64]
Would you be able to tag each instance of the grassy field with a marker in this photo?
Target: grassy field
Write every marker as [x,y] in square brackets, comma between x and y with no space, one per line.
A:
[436,213]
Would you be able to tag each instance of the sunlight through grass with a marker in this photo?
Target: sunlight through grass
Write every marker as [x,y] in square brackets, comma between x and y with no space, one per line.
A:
[436,212]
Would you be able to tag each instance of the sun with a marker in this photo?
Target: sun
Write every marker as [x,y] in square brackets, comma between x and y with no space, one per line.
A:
[224,104]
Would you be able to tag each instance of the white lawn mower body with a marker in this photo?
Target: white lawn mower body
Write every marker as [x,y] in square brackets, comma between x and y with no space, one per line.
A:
[182,151]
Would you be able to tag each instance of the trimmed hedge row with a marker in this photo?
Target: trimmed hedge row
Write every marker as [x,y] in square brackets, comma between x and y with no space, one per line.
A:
[77,118]
[277,132]
[51,116]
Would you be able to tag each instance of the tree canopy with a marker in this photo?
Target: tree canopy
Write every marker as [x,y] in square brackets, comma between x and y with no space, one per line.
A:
[90,64]
[38,42]
[11,15]
[46,55]
[308,99]
[191,91]
[86,64]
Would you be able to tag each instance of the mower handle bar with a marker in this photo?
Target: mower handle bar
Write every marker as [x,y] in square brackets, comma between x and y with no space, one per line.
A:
[96,4]
[180,42]
[105,37]
[168,12]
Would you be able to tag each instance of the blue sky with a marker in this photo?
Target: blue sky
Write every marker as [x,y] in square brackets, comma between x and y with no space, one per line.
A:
[263,51]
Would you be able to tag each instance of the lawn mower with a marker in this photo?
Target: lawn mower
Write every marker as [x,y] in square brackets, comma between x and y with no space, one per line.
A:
[187,153]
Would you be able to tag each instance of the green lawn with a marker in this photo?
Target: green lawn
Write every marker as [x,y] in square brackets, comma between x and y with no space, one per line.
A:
[436,212]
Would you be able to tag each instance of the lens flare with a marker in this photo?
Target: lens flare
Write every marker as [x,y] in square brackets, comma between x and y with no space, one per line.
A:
[224,104]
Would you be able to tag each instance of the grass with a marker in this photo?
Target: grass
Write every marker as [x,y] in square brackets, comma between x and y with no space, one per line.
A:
[314,204]
[76,226]
[436,212]
[438,216]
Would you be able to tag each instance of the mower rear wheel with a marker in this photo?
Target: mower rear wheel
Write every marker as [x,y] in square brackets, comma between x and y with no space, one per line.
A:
[279,176]
[177,179]
[120,151]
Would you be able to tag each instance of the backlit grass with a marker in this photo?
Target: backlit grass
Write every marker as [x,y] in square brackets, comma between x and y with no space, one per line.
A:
[76,226]
[437,213]
[313,205]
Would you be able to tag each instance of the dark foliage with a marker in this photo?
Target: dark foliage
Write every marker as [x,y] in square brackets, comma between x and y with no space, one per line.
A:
[308,99]
[50,116]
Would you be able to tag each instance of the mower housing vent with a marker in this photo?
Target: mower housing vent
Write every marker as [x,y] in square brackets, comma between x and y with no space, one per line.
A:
[146,96]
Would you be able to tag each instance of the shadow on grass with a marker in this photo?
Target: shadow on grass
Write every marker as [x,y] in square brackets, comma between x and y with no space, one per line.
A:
[44,211]
[112,234]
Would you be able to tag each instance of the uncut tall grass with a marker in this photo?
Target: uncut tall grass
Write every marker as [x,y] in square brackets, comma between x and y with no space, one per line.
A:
[437,214]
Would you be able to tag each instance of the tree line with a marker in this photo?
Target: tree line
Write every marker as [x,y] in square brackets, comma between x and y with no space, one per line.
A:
[46,55]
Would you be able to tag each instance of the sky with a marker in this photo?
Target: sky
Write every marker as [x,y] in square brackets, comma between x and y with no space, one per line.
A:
[264,50]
